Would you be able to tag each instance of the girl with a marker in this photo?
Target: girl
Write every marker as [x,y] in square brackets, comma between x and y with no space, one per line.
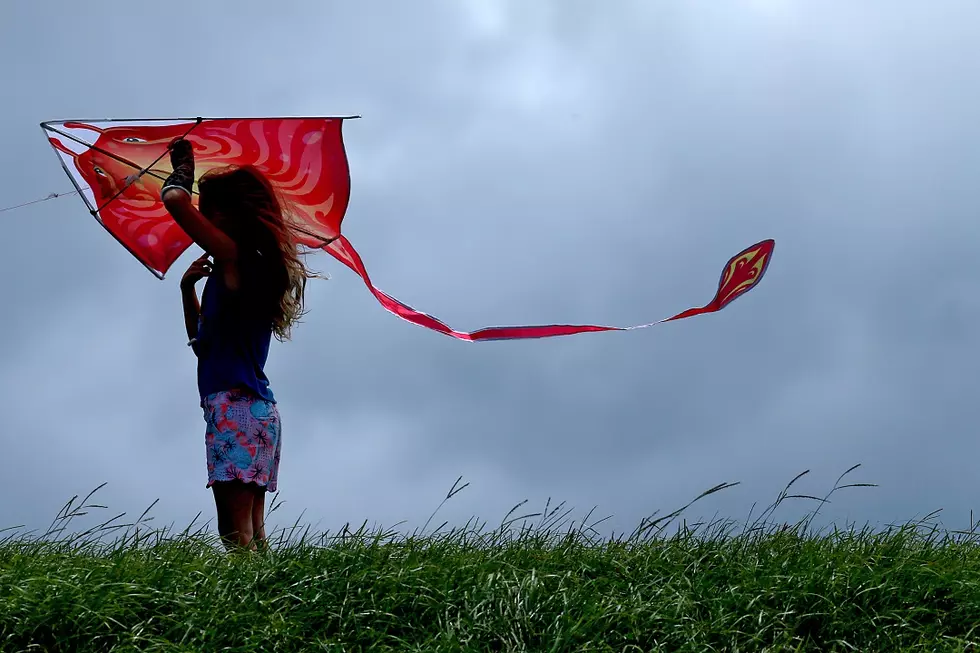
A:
[254,289]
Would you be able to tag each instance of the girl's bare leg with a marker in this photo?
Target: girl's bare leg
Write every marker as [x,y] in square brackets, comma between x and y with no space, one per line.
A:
[258,518]
[234,501]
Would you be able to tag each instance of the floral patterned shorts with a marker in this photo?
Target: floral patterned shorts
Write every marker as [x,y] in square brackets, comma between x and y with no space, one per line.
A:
[242,439]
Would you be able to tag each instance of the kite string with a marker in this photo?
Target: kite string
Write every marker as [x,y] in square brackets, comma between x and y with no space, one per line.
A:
[49,196]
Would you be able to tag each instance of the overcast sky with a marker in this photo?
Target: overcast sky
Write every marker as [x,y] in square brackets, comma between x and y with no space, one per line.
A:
[522,163]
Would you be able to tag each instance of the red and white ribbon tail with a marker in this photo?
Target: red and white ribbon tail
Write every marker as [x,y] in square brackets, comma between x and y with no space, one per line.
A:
[742,273]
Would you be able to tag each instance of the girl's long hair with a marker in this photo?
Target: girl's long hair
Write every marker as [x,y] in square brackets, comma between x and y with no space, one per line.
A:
[254,218]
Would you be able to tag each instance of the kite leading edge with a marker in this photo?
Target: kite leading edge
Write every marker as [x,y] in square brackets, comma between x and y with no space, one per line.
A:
[118,167]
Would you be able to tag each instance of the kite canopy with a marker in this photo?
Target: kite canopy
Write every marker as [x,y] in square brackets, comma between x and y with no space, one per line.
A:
[119,166]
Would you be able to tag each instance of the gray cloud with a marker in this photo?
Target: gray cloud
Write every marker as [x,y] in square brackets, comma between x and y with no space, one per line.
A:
[522,165]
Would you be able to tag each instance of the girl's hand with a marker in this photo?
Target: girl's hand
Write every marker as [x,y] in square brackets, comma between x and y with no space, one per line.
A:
[182,162]
[199,269]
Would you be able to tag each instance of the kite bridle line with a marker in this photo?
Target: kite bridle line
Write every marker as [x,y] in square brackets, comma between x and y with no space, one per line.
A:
[48,126]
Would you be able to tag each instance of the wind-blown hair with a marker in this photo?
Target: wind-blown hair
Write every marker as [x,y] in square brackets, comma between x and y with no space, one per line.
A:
[253,216]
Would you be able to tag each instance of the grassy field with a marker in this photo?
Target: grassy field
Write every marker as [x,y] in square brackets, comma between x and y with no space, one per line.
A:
[534,583]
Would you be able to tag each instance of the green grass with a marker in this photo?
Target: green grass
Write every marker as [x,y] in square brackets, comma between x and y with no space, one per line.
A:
[540,586]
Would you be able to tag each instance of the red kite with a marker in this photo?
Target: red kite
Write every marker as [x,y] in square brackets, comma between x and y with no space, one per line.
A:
[118,168]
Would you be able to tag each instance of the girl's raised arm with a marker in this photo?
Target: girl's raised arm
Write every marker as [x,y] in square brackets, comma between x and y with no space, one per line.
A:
[176,197]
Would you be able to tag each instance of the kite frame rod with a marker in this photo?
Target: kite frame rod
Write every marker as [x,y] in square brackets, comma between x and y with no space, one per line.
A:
[94,212]
[46,123]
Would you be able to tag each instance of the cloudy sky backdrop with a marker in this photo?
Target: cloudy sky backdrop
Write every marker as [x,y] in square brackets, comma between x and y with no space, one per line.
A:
[520,163]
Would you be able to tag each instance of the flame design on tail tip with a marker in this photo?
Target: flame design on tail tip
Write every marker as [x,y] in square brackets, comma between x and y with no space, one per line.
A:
[743,271]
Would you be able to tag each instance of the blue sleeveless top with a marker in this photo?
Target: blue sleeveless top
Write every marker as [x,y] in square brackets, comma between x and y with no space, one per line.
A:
[232,341]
